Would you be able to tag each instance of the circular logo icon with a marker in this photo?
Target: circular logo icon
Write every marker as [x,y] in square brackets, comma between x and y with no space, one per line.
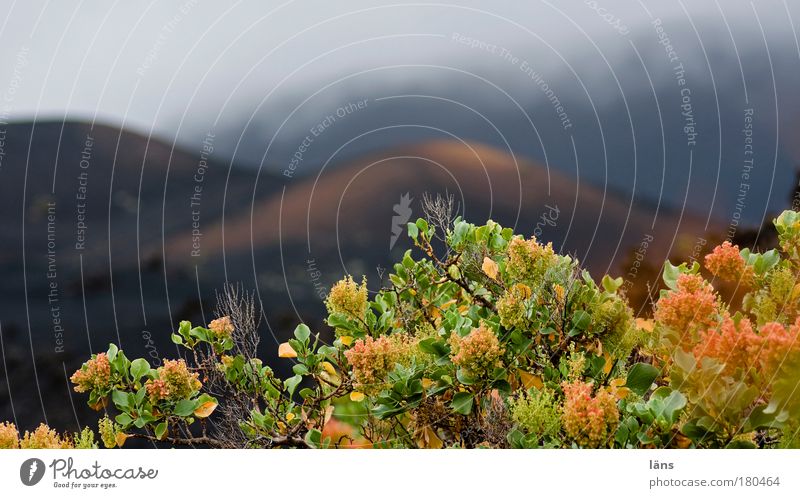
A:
[31,471]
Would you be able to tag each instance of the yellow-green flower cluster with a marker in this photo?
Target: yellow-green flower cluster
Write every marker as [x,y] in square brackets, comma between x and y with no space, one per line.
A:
[511,308]
[778,299]
[108,432]
[348,298]
[537,412]
[84,440]
[528,260]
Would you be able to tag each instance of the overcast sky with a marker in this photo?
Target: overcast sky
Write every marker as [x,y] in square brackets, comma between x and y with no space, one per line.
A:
[148,62]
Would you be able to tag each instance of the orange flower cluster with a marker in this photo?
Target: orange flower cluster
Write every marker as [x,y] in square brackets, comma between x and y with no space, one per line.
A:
[690,308]
[9,437]
[95,374]
[726,263]
[779,345]
[174,382]
[221,327]
[589,420]
[739,346]
[43,438]
[736,345]
[478,352]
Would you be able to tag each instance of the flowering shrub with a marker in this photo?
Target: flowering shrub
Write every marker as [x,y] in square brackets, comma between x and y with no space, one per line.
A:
[486,339]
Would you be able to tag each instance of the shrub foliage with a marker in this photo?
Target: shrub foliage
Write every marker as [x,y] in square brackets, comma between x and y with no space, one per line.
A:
[482,338]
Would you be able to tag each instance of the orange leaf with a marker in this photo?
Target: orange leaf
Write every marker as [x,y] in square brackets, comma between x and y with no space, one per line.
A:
[529,380]
[121,437]
[357,396]
[449,303]
[205,409]
[328,368]
[490,268]
[346,340]
[609,363]
[101,403]
[617,382]
[644,324]
[429,439]
[285,350]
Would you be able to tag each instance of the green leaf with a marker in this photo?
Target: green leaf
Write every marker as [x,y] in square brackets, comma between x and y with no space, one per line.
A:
[302,332]
[413,231]
[581,320]
[462,403]
[760,420]
[384,411]
[123,419]
[464,377]
[120,399]
[176,339]
[766,261]
[139,367]
[641,377]
[434,346]
[694,431]
[200,333]
[339,321]
[314,438]
[621,437]
[671,274]
[611,284]
[140,394]
[185,407]
[161,430]
[292,382]
[112,352]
